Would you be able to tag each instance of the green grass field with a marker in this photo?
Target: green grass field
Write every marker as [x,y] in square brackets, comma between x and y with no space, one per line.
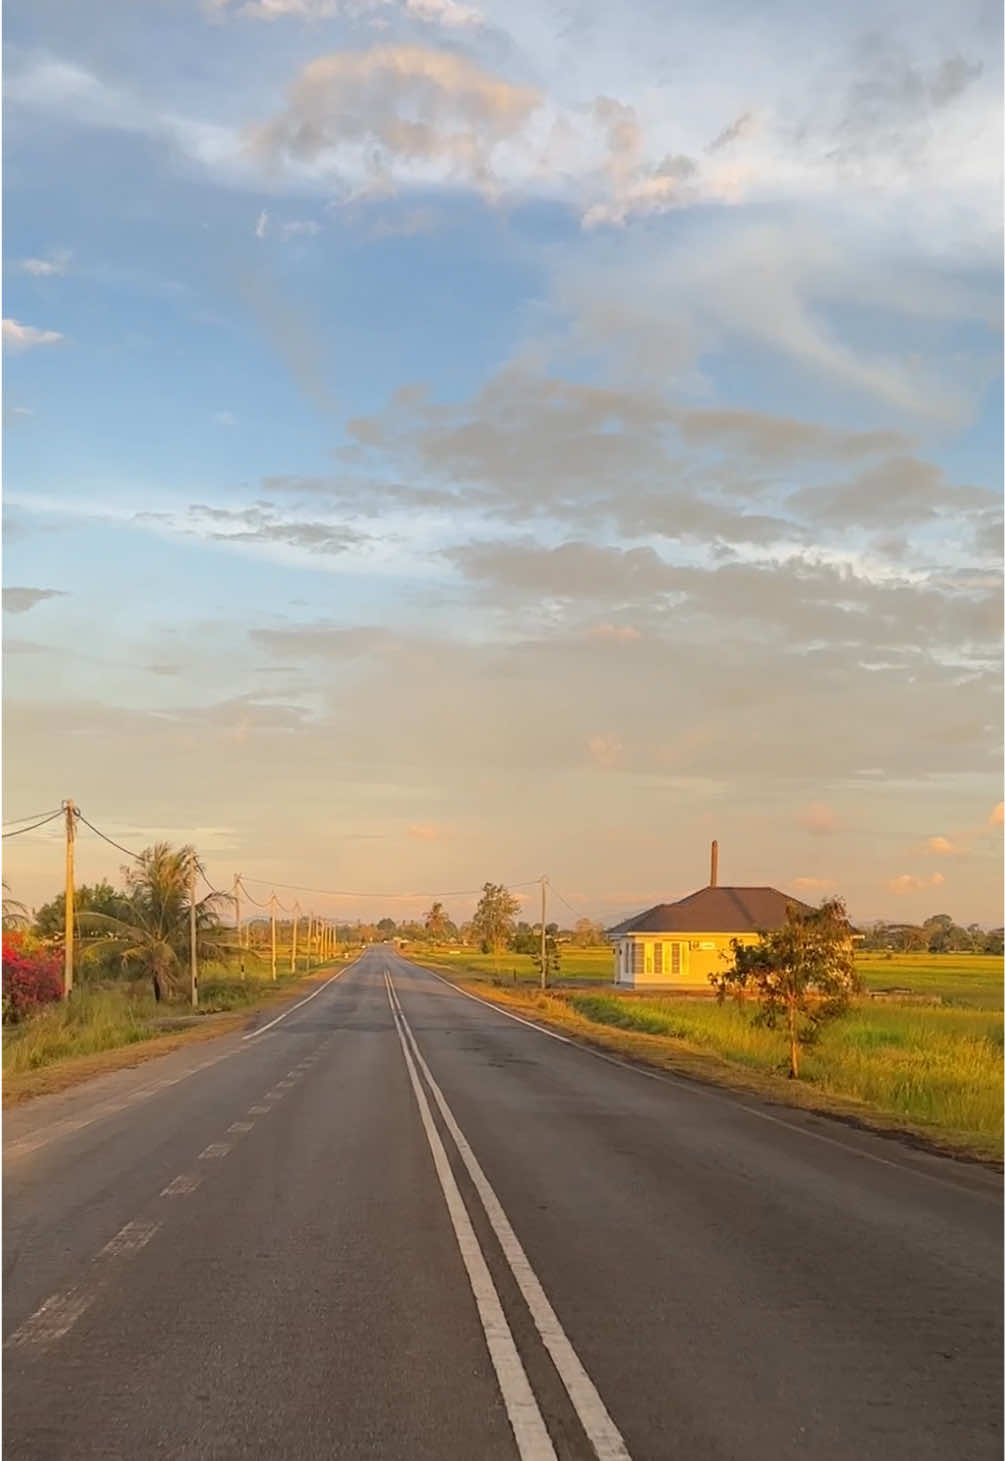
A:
[966,979]
[594,964]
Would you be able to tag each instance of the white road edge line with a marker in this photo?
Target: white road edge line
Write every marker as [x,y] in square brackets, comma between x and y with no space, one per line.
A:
[253,1034]
[604,1436]
[529,1430]
[668,1079]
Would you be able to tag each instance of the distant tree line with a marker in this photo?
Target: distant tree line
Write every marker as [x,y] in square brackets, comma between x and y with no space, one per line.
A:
[940,934]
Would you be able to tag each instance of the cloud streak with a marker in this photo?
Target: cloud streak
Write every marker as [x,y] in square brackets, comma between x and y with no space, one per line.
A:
[18,337]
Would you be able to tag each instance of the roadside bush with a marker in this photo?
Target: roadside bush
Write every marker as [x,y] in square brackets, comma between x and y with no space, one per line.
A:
[32,978]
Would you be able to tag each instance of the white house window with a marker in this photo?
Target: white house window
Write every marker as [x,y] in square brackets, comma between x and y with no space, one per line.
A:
[638,955]
[657,958]
[675,959]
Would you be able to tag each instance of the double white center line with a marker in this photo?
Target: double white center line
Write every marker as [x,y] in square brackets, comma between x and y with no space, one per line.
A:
[529,1430]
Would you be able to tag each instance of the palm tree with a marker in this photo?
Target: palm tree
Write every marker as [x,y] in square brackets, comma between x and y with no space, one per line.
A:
[15,914]
[151,934]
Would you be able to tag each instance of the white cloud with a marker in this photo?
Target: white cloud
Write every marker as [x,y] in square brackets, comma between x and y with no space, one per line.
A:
[426,832]
[56,262]
[17,336]
[300,228]
[941,847]
[604,750]
[224,418]
[819,818]
[17,600]
[997,816]
[813,885]
[614,633]
[262,224]
[909,883]
[401,110]
[450,14]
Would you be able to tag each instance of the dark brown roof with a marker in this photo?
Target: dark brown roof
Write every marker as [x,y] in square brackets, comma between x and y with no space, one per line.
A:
[714,910]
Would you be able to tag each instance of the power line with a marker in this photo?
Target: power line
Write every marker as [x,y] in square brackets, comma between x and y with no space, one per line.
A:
[51,818]
[216,891]
[104,836]
[12,821]
[578,911]
[240,884]
[351,893]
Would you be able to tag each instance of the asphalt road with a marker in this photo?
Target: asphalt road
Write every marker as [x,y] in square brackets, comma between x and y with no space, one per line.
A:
[398,1223]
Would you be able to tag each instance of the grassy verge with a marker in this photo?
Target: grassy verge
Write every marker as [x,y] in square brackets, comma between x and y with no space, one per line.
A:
[930,1073]
[113,1026]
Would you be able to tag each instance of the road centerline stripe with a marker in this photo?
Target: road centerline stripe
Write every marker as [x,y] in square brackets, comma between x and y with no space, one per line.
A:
[529,1430]
[604,1436]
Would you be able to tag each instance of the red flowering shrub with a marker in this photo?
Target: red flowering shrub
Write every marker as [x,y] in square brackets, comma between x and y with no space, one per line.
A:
[32,977]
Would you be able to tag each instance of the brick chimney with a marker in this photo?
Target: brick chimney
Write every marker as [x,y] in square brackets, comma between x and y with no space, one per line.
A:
[713,881]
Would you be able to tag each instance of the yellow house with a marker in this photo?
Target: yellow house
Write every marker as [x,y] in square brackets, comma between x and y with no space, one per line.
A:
[683,943]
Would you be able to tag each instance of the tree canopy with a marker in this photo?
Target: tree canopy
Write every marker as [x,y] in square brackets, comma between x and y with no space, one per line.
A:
[802,974]
[494,918]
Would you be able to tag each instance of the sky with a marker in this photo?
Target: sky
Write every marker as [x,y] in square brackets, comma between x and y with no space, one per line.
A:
[450,442]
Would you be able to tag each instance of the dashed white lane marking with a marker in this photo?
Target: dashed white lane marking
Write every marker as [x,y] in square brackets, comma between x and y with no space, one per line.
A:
[214,1150]
[52,1319]
[238,1128]
[253,1034]
[182,1185]
[24,1146]
[58,1314]
[259,1110]
[129,1239]
[607,1441]
[529,1431]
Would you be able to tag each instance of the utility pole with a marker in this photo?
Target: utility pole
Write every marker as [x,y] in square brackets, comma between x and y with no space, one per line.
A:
[193,958]
[310,935]
[237,918]
[544,936]
[272,909]
[68,932]
[293,948]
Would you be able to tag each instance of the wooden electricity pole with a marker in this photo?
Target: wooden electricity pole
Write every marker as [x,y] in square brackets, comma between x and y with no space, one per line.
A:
[68,930]
[192,954]
[544,936]
[293,946]
[272,910]
[310,935]
[237,919]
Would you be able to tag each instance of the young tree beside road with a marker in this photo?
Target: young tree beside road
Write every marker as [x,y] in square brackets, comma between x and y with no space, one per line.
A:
[802,974]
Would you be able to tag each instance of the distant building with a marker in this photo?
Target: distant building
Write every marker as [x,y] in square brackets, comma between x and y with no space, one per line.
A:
[683,943]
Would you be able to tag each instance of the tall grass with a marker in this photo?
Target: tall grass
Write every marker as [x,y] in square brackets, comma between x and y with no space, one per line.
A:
[105,1016]
[936,1066]
[90,1021]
